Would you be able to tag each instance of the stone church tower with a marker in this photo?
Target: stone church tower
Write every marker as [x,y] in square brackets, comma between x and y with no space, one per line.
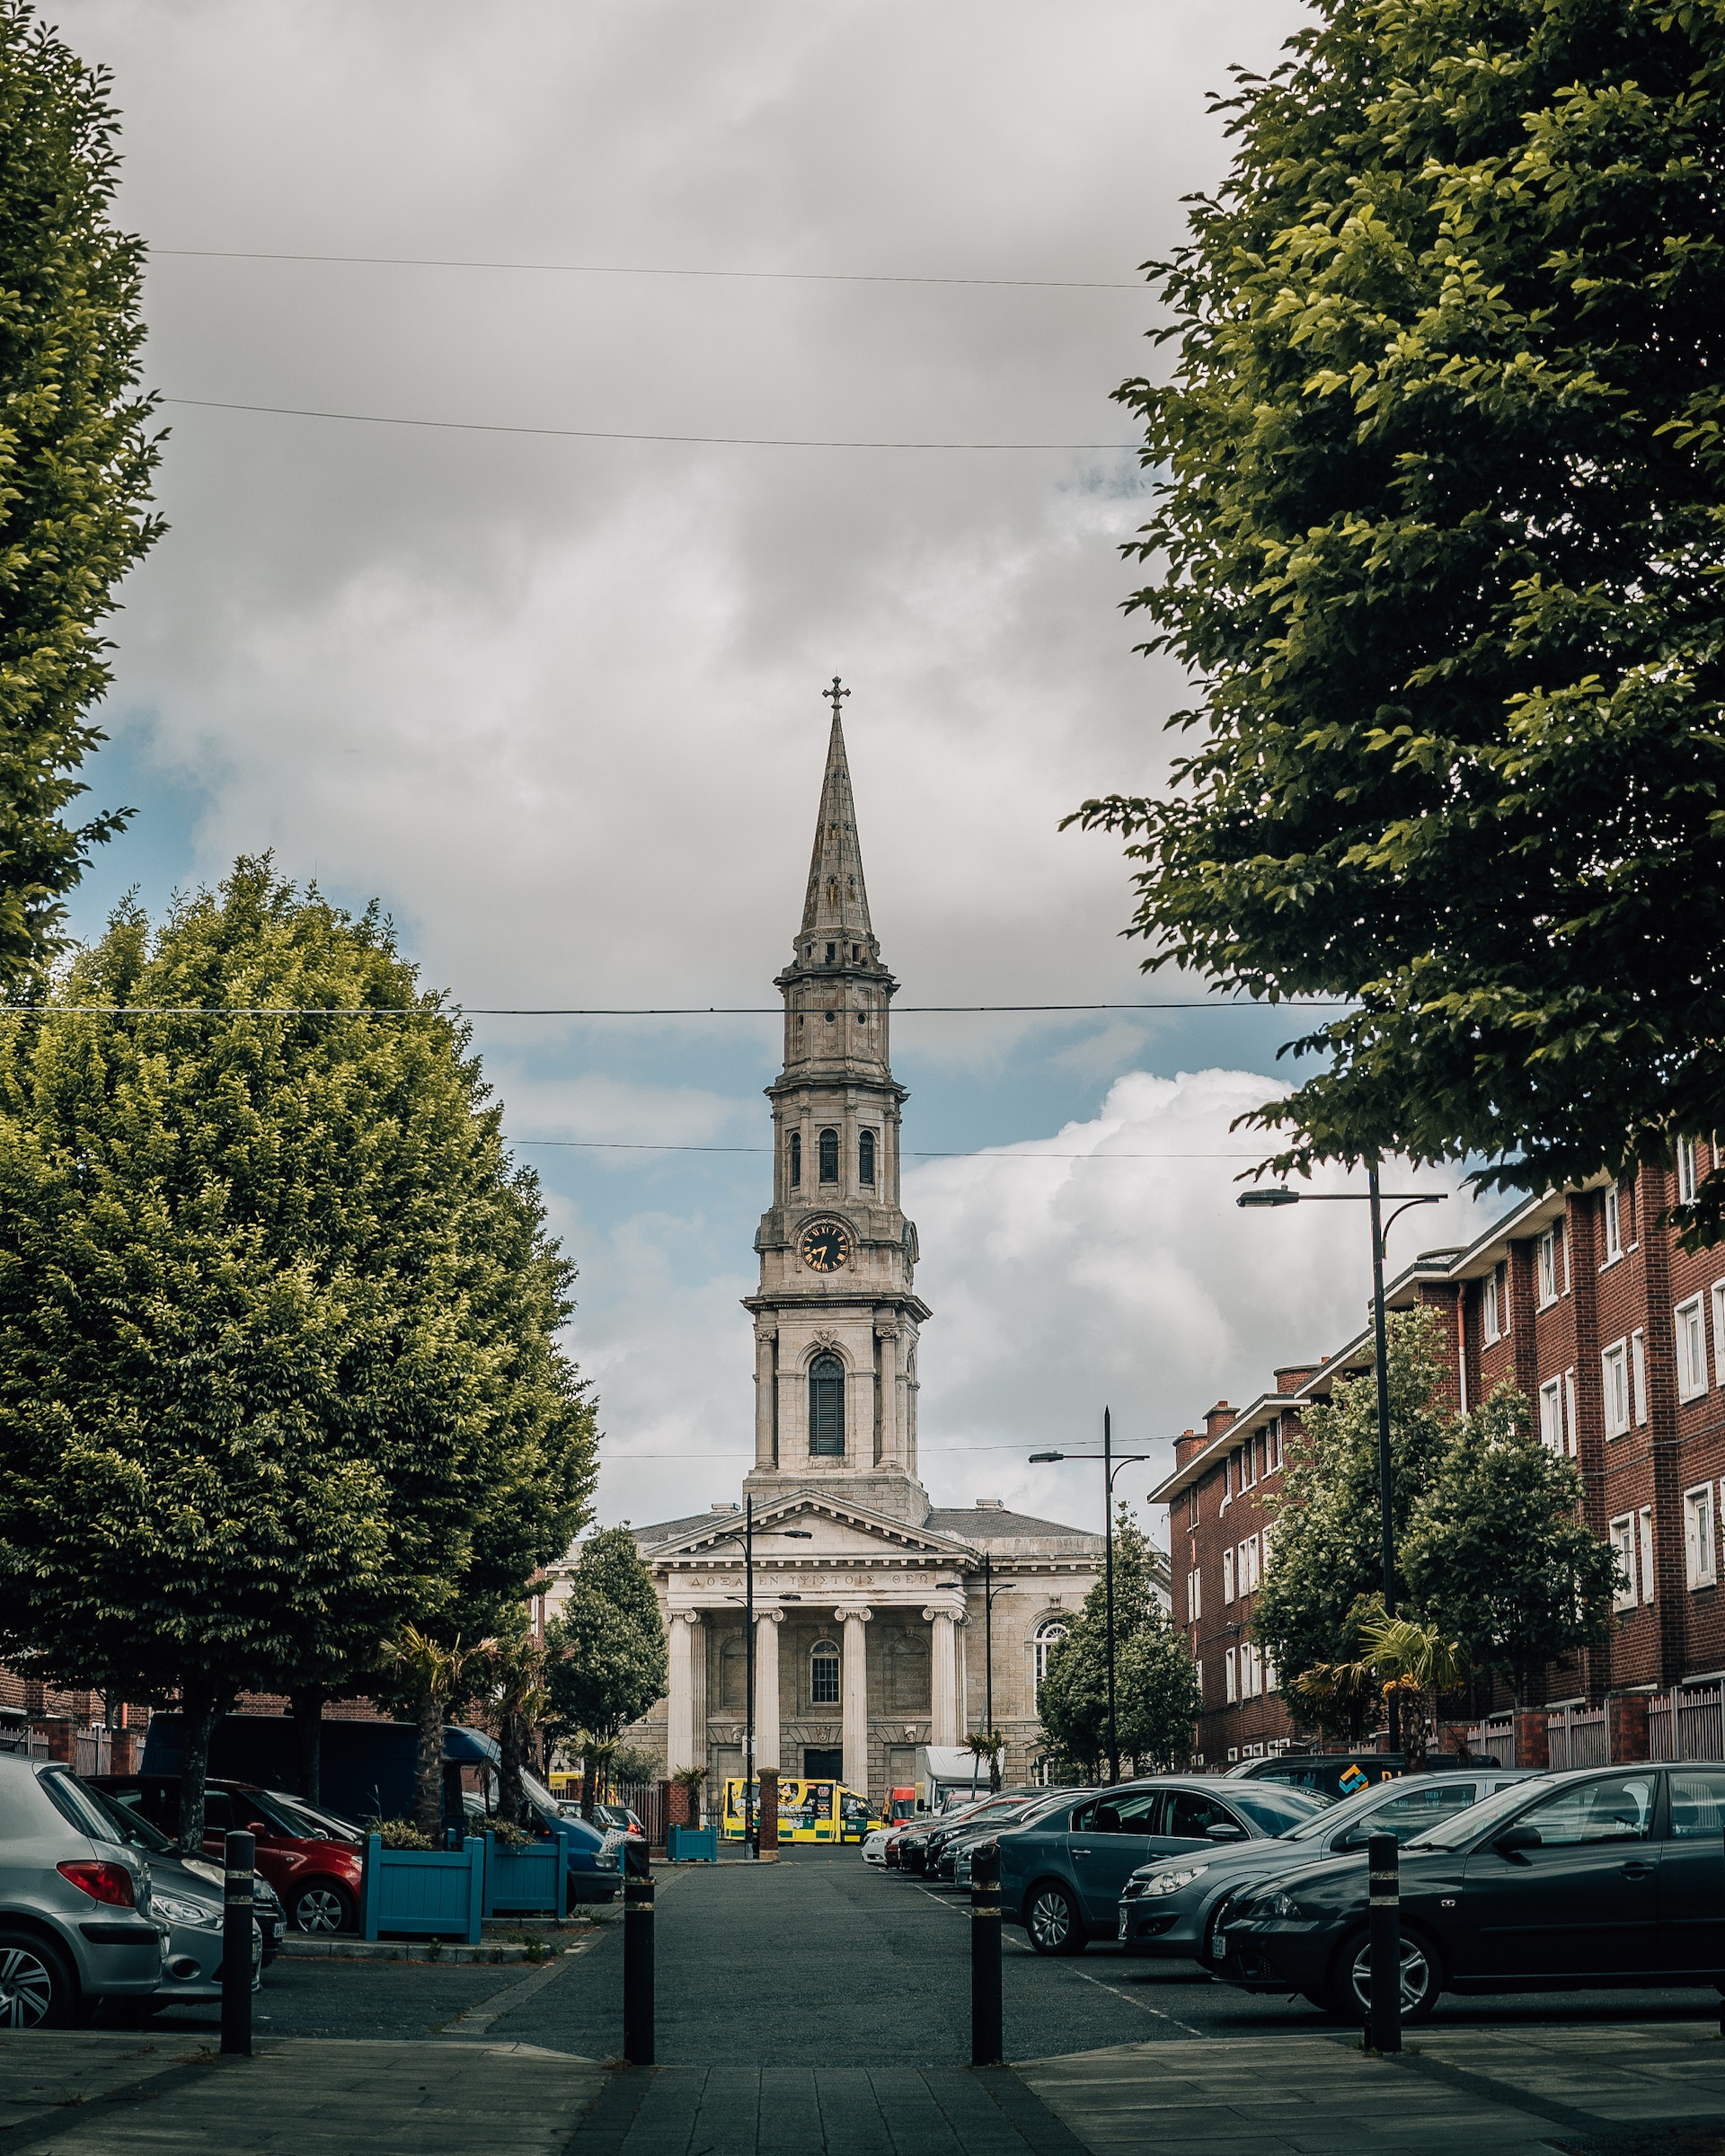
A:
[836,1317]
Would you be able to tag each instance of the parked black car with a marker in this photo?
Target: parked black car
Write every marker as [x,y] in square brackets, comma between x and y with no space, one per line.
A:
[1061,1875]
[1338,1774]
[1169,1908]
[1599,1877]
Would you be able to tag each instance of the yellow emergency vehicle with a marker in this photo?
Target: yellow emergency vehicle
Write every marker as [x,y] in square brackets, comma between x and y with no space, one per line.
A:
[808,1811]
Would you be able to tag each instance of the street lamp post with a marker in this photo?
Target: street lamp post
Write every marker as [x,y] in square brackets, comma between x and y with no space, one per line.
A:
[1279,1195]
[746,1538]
[1111,1468]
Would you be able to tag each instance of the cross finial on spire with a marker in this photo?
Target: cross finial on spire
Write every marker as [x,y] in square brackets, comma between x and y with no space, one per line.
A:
[835,695]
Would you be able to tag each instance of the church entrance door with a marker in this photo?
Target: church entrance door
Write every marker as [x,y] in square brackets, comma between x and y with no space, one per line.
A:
[820,1763]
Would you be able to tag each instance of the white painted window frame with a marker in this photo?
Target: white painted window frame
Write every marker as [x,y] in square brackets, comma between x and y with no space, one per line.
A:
[1614,1384]
[1620,1534]
[1700,1538]
[1689,1323]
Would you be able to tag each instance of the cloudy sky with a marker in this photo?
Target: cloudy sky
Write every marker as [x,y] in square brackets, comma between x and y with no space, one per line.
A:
[555,696]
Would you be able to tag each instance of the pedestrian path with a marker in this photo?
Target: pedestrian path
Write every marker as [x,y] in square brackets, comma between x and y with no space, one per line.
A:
[1575,2088]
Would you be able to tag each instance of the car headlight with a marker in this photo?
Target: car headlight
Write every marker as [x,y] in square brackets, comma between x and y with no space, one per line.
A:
[1170,1882]
[198,1914]
[1284,1905]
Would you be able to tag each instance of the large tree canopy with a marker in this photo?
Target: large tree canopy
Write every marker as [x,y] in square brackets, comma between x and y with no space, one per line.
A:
[75,461]
[278,1365]
[1439,538]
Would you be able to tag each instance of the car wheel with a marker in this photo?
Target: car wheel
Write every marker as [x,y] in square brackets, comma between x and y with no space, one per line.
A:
[36,1988]
[323,1906]
[1350,1989]
[1052,1920]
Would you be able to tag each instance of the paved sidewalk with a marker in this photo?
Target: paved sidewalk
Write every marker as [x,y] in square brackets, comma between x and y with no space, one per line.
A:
[1613,2089]
[89,2093]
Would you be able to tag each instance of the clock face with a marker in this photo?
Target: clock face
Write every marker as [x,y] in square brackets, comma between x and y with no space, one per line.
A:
[826,1246]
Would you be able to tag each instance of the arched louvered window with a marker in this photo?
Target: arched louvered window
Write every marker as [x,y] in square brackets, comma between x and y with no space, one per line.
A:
[865,1157]
[829,1156]
[1048,1635]
[796,1158]
[827,1405]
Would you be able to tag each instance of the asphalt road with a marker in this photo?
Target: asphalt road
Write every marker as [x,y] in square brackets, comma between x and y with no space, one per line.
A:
[819,1960]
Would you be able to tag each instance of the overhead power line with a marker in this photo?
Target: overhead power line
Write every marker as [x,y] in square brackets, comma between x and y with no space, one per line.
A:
[609,1011]
[609,434]
[982,1153]
[793,276]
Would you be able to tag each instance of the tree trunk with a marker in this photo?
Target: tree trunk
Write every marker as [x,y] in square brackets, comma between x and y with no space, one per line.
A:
[197,1719]
[308,1734]
[510,1803]
[427,1807]
[586,1787]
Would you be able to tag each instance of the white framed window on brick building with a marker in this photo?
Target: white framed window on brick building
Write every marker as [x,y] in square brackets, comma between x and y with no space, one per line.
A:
[1551,1415]
[1692,1348]
[1490,1310]
[1622,1534]
[1249,1461]
[1614,1371]
[1688,1179]
[1569,1405]
[1269,1675]
[1250,1672]
[1545,1266]
[1249,1558]
[1614,1212]
[1699,1567]
[1194,1595]
[1719,1332]
[1230,1677]
[1273,1443]
[1227,1575]
[1638,1376]
[1644,1520]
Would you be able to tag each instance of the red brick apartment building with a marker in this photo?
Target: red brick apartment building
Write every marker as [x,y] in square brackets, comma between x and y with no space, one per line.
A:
[1618,1338]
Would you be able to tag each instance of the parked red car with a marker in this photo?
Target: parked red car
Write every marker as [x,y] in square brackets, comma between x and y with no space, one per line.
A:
[314,1860]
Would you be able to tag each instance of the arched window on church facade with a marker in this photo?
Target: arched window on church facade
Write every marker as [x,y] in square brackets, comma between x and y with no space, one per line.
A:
[826,1406]
[865,1157]
[829,1156]
[796,1159]
[1049,1633]
[823,1675]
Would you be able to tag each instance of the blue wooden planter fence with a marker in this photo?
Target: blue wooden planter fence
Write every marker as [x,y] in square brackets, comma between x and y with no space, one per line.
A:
[693,1844]
[534,1878]
[425,1893]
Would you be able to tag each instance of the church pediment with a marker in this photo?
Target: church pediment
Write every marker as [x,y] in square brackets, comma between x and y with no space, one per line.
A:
[839,1531]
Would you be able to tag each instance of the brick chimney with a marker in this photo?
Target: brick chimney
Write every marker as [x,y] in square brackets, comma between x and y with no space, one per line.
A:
[1217,1419]
[1291,1376]
[1185,1445]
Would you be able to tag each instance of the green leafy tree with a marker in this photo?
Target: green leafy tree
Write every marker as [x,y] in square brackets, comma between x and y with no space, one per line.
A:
[1159,1697]
[277,1371]
[75,464]
[1400,1657]
[606,1655]
[1072,1700]
[1499,1554]
[1324,1576]
[1441,467]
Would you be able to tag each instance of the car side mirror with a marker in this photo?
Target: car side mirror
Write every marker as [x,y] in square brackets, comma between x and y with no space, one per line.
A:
[1355,1838]
[1224,1830]
[1515,1839]
[257,1829]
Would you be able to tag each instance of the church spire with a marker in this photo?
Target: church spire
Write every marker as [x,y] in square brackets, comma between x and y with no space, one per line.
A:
[836,903]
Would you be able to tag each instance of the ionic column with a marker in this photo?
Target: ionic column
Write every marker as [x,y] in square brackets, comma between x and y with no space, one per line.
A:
[855,1697]
[767,1687]
[944,1720]
[886,1333]
[764,1381]
[679,1734]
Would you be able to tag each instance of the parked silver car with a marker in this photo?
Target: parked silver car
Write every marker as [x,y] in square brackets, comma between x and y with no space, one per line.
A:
[187,1893]
[76,1922]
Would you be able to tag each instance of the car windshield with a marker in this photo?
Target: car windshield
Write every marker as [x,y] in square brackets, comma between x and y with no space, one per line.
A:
[130,1825]
[539,1797]
[1477,1818]
[294,1816]
[1272,1810]
[1341,1815]
[77,1806]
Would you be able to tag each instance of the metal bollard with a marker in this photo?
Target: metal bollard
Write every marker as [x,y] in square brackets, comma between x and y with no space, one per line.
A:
[637,1955]
[239,1860]
[987,2035]
[1384,2022]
